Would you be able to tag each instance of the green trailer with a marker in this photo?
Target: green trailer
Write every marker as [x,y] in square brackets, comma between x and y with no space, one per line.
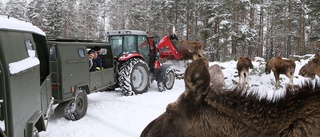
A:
[25,80]
[71,79]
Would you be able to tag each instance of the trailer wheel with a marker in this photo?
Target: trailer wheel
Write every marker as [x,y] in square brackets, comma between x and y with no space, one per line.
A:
[78,106]
[74,109]
[134,77]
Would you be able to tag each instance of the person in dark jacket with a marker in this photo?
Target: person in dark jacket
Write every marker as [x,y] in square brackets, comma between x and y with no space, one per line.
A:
[174,38]
[97,58]
[92,64]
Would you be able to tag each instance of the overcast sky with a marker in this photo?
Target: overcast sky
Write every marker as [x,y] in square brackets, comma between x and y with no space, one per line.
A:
[3,1]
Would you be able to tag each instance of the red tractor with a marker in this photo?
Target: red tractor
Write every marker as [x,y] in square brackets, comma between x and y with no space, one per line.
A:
[138,62]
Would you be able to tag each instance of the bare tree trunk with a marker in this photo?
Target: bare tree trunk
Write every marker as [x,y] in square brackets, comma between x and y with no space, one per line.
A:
[260,50]
[302,32]
[167,30]
[130,18]
[289,30]
[225,53]
[216,43]
[176,12]
[123,16]
[234,18]
[65,28]
[196,22]
[188,20]
[251,25]
[270,41]
[271,48]
[311,43]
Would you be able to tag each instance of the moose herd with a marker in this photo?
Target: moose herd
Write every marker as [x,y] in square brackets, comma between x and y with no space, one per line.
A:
[207,109]
[279,66]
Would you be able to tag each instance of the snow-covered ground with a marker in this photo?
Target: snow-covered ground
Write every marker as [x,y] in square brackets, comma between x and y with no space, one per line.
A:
[110,114]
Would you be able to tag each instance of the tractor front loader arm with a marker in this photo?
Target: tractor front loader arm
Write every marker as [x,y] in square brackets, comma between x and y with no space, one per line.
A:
[168,50]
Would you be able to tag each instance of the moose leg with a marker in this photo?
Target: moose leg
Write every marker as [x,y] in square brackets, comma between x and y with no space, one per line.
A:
[317,73]
[239,77]
[246,76]
[291,81]
[290,76]
[276,76]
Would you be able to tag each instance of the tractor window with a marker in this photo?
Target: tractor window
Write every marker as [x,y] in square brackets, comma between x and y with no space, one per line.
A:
[144,48]
[142,40]
[129,44]
[116,42]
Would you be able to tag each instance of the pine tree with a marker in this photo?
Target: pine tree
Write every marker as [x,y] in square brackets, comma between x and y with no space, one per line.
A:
[1,8]
[314,13]
[69,20]
[35,12]
[89,14]
[53,19]
[16,8]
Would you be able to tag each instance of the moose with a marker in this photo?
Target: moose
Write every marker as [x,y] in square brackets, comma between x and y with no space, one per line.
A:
[206,111]
[243,66]
[312,68]
[281,66]
[216,76]
[190,45]
[189,48]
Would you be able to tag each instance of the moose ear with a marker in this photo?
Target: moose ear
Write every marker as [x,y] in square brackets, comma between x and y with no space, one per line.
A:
[197,77]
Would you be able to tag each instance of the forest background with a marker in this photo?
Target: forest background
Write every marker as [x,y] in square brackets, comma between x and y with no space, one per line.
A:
[228,28]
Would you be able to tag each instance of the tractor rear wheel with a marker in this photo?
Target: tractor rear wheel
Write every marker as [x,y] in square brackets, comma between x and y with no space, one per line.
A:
[169,79]
[134,77]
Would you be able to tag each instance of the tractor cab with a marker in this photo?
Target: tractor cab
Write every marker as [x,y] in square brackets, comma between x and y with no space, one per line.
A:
[129,43]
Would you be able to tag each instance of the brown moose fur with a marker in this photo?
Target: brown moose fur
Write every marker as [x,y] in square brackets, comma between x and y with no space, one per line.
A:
[189,48]
[281,66]
[190,45]
[316,58]
[243,66]
[203,111]
[187,55]
[199,56]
